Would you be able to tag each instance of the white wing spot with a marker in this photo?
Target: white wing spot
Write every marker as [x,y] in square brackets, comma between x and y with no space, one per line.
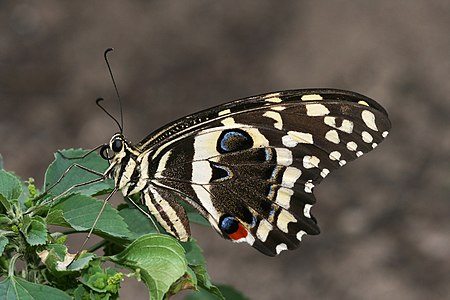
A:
[311,97]
[294,137]
[346,126]
[335,155]
[316,110]
[224,112]
[342,163]
[228,121]
[310,162]
[332,136]
[280,247]
[274,99]
[352,146]
[359,153]
[384,134]
[284,218]
[374,145]
[300,234]
[263,230]
[283,198]
[324,173]
[290,176]
[363,103]
[369,119]
[306,210]
[366,137]
[284,156]
[276,117]
[309,186]
[278,108]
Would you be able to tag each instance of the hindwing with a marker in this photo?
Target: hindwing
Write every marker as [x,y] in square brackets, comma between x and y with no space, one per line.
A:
[250,166]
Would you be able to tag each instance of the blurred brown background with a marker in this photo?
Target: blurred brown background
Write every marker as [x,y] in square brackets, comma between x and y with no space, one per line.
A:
[385,219]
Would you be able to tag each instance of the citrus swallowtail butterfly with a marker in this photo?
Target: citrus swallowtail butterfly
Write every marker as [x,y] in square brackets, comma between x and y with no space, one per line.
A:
[249,166]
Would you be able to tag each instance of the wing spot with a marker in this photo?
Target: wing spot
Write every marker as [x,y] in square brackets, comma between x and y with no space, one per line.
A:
[274,99]
[316,110]
[233,140]
[300,235]
[352,146]
[228,121]
[278,108]
[306,211]
[284,197]
[335,155]
[324,173]
[332,136]
[385,134]
[294,137]
[309,186]
[280,247]
[310,162]
[276,117]
[346,125]
[263,230]
[311,97]
[290,176]
[224,112]
[363,103]
[366,137]
[284,156]
[284,218]
[369,119]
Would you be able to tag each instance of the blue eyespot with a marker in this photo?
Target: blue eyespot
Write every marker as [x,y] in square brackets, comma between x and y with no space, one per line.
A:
[228,224]
[232,140]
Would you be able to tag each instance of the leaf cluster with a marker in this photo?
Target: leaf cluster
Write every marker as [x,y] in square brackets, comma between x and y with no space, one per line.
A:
[48,270]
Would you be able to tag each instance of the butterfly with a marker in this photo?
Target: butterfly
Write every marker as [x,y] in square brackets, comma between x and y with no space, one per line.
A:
[249,166]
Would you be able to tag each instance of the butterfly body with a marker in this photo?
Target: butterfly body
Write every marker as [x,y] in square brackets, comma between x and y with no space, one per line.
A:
[249,166]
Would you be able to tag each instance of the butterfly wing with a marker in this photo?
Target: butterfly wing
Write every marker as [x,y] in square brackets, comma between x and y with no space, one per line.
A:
[250,166]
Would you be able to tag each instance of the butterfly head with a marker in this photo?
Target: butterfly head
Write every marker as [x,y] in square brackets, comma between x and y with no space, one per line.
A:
[118,151]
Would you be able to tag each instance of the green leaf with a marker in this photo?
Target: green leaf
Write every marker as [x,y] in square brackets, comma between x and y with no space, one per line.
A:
[194,254]
[76,175]
[80,212]
[159,259]
[137,222]
[228,292]
[35,230]
[101,281]
[10,185]
[197,263]
[59,262]
[13,288]
[204,281]
[3,242]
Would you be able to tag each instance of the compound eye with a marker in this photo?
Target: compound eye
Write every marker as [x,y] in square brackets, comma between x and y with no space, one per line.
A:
[104,152]
[117,145]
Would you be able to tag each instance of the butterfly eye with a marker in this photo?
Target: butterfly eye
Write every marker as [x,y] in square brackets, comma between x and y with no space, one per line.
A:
[117,145]
[104,152]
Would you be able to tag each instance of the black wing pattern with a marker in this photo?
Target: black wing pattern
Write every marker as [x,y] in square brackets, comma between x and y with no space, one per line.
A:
[250,166]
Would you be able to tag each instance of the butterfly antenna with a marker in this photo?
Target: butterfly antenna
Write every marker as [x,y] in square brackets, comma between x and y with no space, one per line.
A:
[106,112]
[115,88]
